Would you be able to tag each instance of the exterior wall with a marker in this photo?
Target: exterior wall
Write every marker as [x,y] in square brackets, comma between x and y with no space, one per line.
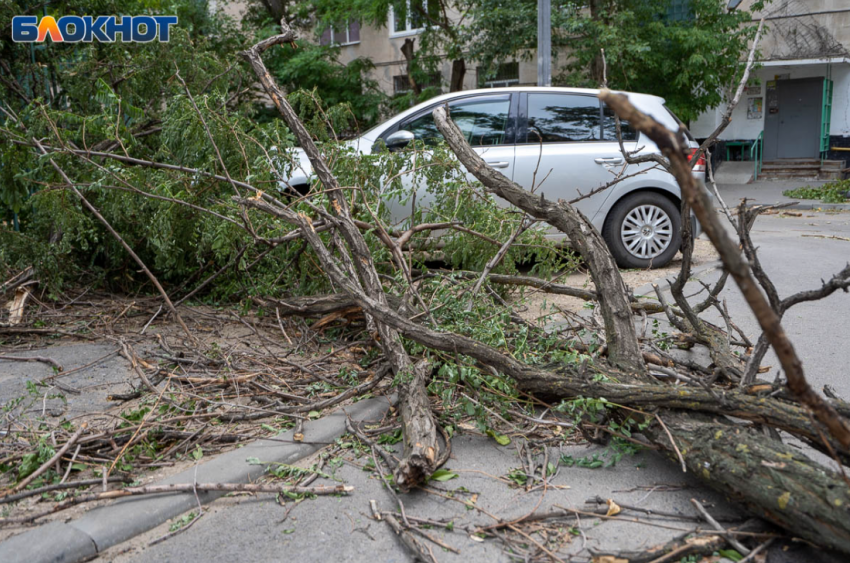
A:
[799,46]
[808,34]
[233,8]
[384,50]
[742,128]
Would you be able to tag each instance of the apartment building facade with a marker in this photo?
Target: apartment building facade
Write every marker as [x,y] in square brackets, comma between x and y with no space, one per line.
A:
[797,104]
[382,45]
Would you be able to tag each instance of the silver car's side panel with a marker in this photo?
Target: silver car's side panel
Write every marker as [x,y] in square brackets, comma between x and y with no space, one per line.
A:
[651,179]
[568,171]
[502,157]
[565,171]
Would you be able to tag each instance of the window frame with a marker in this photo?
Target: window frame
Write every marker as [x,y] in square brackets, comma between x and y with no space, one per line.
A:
[510,126]
[333,32]
[501,82]
[408,30]
[522,121]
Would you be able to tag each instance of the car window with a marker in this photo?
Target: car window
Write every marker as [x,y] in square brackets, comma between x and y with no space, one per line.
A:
[610,127]
[562,118]
[483,121]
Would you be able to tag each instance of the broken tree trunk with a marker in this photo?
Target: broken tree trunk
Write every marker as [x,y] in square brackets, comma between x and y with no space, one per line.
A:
[773,480]
[420,432]
[620,334]
[356,272]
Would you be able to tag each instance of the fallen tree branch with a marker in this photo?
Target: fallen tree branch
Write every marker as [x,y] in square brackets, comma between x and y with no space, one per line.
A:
[773,480]
[673,147]
[356,273]
[421,445]
[44,360]
[620,334]
[683,546]
[118,237]
[50,462]
[716,525]
[61,486]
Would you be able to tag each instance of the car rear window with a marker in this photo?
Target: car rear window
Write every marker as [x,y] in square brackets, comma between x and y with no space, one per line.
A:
[681,124]
[568,118]
[562,118]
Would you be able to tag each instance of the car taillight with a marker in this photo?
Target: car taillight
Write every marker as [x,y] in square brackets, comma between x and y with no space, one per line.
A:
[700,165]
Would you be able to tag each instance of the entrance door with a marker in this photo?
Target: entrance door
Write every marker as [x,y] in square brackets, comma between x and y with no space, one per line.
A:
[792,122]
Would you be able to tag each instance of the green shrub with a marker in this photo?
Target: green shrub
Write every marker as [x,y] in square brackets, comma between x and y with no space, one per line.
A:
[832,192]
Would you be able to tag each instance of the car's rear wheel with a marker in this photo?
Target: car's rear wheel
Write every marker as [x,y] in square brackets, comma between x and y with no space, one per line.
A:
[643,230]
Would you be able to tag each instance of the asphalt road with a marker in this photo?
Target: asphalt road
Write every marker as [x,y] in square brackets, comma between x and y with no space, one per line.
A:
[796,251]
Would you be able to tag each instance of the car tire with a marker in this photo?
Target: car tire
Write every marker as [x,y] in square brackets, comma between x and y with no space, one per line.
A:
[643,230]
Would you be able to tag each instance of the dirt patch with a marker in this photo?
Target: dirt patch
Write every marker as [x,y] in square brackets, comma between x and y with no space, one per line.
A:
[536,306]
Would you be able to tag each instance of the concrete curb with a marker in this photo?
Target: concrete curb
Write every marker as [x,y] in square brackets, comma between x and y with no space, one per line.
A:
[103,527]
[800,206]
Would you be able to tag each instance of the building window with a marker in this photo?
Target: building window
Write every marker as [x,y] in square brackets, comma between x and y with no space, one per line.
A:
[407,24]
[341,34]
[401,83]
[679,10]
[507,74]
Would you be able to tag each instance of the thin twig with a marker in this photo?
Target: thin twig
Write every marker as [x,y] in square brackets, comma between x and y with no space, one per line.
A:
[673,442]
[47,464]
[716,525]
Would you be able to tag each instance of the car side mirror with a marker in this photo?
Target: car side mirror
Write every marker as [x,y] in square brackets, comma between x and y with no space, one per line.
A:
[399,140]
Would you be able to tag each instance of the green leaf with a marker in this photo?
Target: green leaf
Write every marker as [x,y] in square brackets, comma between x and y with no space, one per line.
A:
[731,554]
[501,439]
[443,475]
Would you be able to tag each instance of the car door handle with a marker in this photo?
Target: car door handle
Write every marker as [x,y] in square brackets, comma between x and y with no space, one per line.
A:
[498,163]
[611,160]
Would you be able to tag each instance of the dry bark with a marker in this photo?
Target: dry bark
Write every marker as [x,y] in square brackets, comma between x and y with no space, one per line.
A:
[420,432]
[772,480]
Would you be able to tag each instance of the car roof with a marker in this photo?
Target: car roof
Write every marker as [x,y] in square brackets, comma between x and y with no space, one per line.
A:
[538,89]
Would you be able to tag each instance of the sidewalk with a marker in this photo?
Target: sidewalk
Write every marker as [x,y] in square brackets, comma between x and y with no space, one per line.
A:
[98,529]
[769,192]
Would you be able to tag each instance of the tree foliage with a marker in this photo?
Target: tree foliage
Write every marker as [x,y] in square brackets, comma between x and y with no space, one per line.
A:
[126,98]
[683,50]
[314,67]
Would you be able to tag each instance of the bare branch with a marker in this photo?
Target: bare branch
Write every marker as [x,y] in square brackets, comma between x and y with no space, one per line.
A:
[674,148]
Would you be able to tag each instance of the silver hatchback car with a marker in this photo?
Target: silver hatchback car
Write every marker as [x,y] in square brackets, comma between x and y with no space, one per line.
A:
[566,137]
